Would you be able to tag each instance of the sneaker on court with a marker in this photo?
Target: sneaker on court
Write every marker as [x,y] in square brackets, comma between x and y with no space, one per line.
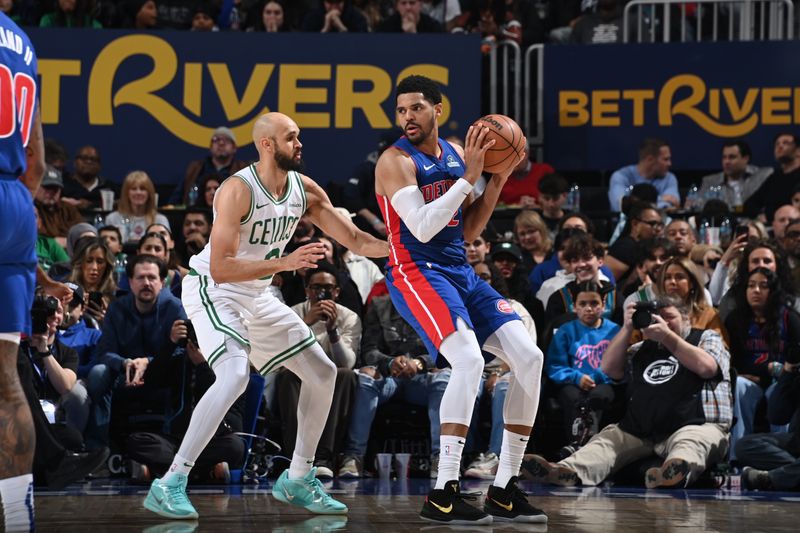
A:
[754,479]
[434,470]
[511,505]
[483,467]
[351,467]
[673,474]
[537,468]
[307,492]
[447,506]
[221,473]
[324,470]
[169,499]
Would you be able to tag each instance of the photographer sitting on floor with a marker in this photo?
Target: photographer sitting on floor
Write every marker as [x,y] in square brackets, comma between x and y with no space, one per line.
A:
[679,403]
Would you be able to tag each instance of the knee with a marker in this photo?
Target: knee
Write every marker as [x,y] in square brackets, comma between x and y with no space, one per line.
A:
[99,380]
[469,365]
[77,395]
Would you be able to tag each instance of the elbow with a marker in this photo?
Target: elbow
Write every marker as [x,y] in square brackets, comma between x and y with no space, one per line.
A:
[218,273]
[708,370]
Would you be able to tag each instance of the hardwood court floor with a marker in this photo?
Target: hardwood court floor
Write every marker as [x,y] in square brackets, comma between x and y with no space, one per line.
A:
[393,506]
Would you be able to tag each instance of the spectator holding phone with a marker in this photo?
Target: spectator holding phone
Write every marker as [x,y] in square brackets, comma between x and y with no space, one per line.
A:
[92,269]
[138,326]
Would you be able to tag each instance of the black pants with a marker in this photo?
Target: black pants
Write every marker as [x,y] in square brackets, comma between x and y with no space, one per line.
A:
[332,439]
[157,451]
[597,400]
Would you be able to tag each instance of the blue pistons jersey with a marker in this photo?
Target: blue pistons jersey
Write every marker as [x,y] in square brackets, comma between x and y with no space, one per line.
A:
[435,175]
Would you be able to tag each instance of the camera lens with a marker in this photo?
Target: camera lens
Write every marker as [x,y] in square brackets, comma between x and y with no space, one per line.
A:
[642,318]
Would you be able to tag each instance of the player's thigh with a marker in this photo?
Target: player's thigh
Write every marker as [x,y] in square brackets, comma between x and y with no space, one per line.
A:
[277,334]
[17,283]
[488,310]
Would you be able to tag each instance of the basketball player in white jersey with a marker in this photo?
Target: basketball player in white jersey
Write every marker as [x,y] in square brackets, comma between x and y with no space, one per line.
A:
[238,321]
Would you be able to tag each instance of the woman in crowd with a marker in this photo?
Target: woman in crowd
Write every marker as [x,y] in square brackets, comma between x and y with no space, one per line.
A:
[208,186]
[725,271]
[173,261]
[270,16]
[92,269]
[534,239]
[137,207]
[763,327]
[679,277]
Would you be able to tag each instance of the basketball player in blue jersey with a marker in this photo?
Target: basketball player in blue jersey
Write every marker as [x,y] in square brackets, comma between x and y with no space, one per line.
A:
[20,127]
[424,185]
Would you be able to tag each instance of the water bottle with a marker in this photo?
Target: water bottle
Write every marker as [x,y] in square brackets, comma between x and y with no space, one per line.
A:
[704,231]
[693,199]
[99,221]
[194,192]
[576,197]
[120,265]
[725,232]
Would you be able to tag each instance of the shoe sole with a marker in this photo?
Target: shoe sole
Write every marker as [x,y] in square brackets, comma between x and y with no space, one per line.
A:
[521,519]
[81,473]
[152,506]
[281,498]
[480,522]
[672,473]
[539,470]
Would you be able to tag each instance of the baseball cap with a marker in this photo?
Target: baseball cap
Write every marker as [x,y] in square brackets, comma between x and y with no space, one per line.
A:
[222,131]
[77,293]
[507,248]
[52,177]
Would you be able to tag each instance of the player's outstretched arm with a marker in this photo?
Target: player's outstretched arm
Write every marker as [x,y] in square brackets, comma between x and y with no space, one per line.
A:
[232,202]
[35,156]
[341,228]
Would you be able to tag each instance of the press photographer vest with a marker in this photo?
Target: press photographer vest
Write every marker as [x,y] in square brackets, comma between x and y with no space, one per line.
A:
[663,395]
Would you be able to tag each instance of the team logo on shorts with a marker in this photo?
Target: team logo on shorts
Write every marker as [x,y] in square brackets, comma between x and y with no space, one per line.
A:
[504,307]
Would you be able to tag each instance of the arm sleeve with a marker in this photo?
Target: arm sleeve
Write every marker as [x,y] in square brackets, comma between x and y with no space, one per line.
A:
[616,190]
[423,220]
[671,189]
[556,365]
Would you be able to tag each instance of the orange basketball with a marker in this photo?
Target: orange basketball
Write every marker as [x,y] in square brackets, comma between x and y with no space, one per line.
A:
[509,144]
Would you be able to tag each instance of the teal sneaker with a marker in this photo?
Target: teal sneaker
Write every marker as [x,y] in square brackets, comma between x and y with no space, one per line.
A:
[170,500]
[307,492]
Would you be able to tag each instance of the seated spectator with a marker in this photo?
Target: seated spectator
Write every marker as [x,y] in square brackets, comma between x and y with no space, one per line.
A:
[494,383]
[196,231]
[75,235]
[270,17]
[409,18]
[394,363]
[187,376]
[75,333]
[738,179]
[156,245]
[140,14]
[48,251]
[221,159]
[533,237]
[338,332]
[137,207]
[584,257]
[445,12]
[655,160]
[335,16]
[574,357]
[604,25]
[113,239]
[762,327]
[639,193]
[204,17]
[782,216]
[651,255]
[70,14]
[791,245]
[356,272]
[773,191]
[772,459]
[522,186]
[726,268]
[553,190]
[138,326]
[682,235]
[645,223]
[82,188]
[56,215]
[208,186]
[477,250]
[55,368]
[507,257]
[683,416]
[92,269]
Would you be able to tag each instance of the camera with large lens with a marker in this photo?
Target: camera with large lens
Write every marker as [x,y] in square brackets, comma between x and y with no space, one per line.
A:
[643,316]
[43,308]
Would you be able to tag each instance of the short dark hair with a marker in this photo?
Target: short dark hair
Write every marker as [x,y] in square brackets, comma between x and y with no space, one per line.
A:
[323,267]
[111,228]
[785,134]
[143,259]
[667,300]
[201,210]
[637,208]
[563,237]
[586,220]
[582,245]
[646,247]
[651,146]
[553,184]
[420,84]
[744,148]
[588,286]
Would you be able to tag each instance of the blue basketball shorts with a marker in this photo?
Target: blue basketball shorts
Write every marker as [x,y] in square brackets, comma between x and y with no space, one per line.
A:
[17,256]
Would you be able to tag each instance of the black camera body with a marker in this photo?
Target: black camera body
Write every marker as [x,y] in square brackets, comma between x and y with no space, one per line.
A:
[43,308]
[643,316]
[324,294]
[191,335]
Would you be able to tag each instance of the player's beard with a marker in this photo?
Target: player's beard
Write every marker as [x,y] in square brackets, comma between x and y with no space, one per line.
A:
[288,163]
[423,132]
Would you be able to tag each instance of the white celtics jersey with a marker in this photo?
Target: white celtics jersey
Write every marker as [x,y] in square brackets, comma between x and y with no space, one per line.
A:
[265,230]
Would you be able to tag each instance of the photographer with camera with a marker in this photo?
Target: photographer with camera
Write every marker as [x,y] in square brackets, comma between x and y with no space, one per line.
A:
[137,327]
[338,331]
[680,403]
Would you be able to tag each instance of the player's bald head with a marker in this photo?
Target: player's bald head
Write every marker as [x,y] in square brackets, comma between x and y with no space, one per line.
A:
[269,124]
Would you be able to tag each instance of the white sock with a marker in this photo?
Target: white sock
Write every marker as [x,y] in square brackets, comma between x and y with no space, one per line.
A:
[300,466]
[17,496]
[180,465]
[511,453]
[449,459]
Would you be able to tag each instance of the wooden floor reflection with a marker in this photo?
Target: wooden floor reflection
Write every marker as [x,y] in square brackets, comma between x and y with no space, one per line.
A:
[394,507]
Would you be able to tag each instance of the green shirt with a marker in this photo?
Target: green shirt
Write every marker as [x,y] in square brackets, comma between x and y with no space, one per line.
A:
[49,252]
[49,21]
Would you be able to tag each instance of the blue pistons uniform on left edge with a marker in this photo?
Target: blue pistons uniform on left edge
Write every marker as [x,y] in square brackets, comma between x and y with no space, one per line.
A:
[430,283]
[17,218]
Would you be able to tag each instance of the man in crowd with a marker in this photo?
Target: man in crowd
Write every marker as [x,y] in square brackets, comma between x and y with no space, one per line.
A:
[409,18]
[776,190]
[196,231]
[680,406]
[655,160]
[783,215]
[738,179]
[682,235]
[82,188]
[56,215]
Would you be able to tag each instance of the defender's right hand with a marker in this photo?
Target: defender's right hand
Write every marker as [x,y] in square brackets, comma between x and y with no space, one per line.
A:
[304,257]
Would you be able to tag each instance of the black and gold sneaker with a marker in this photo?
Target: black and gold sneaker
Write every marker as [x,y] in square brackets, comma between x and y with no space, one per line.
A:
[447,506]
[511,505]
